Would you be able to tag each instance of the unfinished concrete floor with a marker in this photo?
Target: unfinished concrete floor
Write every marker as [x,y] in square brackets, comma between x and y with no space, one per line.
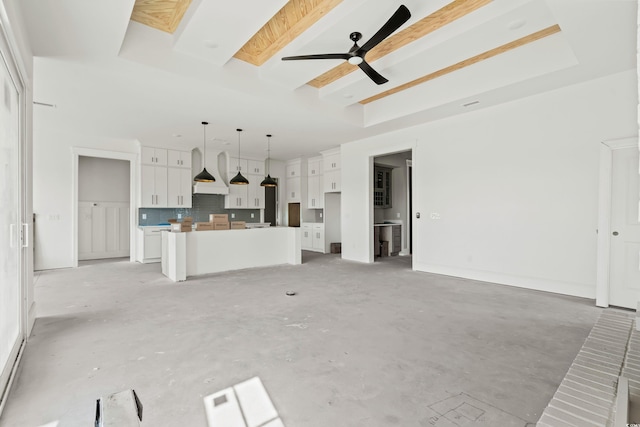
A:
[359,345]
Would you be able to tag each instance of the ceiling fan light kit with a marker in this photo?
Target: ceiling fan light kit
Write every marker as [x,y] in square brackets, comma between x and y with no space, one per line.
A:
[356,55]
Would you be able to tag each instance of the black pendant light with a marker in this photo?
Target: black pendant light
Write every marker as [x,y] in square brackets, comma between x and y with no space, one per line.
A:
[268,181]
[204,176]
[239,179]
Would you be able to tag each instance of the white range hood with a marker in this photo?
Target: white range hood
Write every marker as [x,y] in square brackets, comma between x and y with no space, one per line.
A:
[213,167]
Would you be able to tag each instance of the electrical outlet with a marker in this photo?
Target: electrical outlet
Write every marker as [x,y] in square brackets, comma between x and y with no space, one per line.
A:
[320,214]
[397,214]
[179,216]
[233,215]
[253,215]
[144,216]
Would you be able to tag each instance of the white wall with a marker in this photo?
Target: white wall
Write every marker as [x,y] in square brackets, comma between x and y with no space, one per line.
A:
[515,186]
[103,180]
[53,189]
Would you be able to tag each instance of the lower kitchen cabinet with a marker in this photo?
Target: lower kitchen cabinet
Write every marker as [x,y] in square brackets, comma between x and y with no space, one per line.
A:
[149,244]
[312,236]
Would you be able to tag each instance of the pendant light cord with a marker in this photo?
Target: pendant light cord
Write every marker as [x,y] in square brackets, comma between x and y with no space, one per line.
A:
[268,153]
[239,130]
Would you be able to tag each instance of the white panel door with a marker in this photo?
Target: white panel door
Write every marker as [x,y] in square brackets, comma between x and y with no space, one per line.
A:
[103,230]
[11,334]
[624,280]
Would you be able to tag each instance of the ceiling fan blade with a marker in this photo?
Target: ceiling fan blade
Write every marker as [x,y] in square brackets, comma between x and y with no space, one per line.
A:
[400,16]
[373,74]
[344,56]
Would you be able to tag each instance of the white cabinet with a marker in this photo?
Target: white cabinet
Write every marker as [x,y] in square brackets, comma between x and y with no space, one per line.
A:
[332,182]
[149,244]
[306,236]
[315,195]
[163,186]
[237,197]
[154,187]
[331,161]
[312,237]
[293,169]
[293,190]
[314,166]
[318,238]
[179,159]
[154,156]
[249,196]
[238,165]
[255,167]
[179,188]
[331,166]
[255,192]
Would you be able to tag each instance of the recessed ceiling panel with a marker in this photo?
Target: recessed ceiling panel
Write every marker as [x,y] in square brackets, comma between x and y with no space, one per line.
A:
[219,28]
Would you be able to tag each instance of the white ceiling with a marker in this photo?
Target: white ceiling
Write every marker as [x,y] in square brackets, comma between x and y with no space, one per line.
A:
[109,76]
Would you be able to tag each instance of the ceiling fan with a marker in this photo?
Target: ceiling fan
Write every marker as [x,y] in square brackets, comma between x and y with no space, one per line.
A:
[357,53]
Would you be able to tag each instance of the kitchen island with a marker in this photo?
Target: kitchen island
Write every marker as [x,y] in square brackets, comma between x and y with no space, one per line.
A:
[202,252]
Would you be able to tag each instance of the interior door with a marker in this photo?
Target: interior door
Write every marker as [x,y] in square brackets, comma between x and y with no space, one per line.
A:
[624,279]
[11,334]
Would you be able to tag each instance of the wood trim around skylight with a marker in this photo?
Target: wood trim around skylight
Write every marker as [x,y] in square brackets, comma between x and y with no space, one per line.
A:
[467,62]
[293,19]
[164,15]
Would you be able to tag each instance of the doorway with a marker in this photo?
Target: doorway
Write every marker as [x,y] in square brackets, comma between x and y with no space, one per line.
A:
[618,271]
[392,206]
[131,159]
[103,208]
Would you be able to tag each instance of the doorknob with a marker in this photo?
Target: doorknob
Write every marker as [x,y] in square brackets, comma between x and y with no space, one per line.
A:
[615,233]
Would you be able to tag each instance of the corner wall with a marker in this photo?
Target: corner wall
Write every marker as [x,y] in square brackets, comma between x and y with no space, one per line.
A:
[515,187]
[53,190]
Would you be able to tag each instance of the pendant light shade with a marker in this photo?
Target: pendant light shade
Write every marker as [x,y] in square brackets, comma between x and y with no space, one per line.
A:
[204,176]
[268,181]
[239,179]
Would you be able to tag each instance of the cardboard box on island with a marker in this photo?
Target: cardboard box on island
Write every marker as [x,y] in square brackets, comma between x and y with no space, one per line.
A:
[202,226]
[238,225]
[220,225]
[218,218]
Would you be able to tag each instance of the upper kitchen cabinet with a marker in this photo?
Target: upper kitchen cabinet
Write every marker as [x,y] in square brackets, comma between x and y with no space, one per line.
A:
[179,188]
[332,174]
[179,159]
[154,156]
[154,187]
[293,169]
[249,196]
[331,160]
[314,166]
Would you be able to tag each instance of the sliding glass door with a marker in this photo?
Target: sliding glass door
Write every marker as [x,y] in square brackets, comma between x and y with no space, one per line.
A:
[11,330]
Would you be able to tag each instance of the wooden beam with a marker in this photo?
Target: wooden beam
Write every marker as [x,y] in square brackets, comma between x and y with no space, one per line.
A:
[467,62]
[293,19]
[164,15]
[438,19]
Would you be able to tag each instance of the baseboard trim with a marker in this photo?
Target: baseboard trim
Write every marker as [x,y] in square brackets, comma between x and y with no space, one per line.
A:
[537,284]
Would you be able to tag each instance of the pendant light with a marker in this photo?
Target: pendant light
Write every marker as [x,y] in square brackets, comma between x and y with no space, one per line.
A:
[204,176]
[239,179]
[268,181]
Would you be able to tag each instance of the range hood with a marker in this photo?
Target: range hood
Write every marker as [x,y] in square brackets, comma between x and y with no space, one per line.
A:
[213,166]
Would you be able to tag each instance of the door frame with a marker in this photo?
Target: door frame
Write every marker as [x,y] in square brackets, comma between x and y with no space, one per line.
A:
[604,215]
[133,196]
